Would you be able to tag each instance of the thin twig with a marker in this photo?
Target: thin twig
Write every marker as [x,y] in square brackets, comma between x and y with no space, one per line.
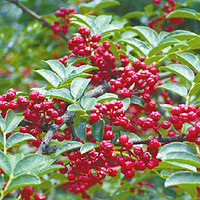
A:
[36,16]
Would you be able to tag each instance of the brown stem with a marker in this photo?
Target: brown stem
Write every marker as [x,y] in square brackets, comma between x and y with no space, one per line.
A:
[36,16]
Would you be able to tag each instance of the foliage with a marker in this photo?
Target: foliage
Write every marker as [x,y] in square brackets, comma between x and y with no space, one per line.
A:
[113,111]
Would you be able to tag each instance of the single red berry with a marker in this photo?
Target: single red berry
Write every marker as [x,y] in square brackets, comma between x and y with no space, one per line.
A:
[123,139]
[59,120]
[39,196]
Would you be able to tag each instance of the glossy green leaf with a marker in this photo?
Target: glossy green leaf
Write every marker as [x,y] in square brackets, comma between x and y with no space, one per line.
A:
[50,77]
[107,96]
[14,159]
[17,138]
[4,163]
[87,102]
[87,147]
[102,20]
[188,59]
[1,182]
[181,35]
[178,69]
[175,165]
[182,157]
[68,146]
[174,87]
[78,87]
[184,13]
[62,93]
[126,103]
[57,67]
[81,130]
[157,59]
[21,181]
[2,124]
[75,108]
[131,15]
[136,100]
[195,89]
[30,162]
[138,45]
[132,136]
[167,106]
[104,4]
[98,130]
[183,178]
[85,68]
[12,121]
[175,146]
[147,34]
[162,45]
[48,169]
[1,140]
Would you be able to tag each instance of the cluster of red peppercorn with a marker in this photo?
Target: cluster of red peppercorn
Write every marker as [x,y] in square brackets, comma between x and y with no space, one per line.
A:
[99,55]
[63,13]
[187,114]
[28,191]
[167,8]
[91,168]
[113,112]
[140,77]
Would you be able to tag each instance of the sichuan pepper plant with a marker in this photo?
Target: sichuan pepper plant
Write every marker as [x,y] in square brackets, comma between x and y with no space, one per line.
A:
[119,110]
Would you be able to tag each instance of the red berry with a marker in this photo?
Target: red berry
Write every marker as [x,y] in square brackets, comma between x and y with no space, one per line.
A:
[39,196]
[123,139]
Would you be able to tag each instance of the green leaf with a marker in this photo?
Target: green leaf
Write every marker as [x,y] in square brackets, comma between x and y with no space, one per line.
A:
[136,100]
[182,157]
[17,138]
[78,87]
[138,45]
[195,89]
[102,20]
[12,121]
[162,45]
[132,136]
[184,13]
[2,124]
[183,178]
[87,147]
[68,146]
[175,146]
[167,106]
[131,15]
[14,159]
[190,189]
[181,35]
[1,182]
[50,77]
[75,108]
[106,96]
[4,163]
[104,4]
[1,140]
[62,93]
[178,69]
[87,102]
[48,169]
[57,67]
[98,130]
[174,87]
[81,130]
[85,68]
[147,34]
[175,165]
[31,162]
[126,103]
[21,181]
[97,6]
[188,59]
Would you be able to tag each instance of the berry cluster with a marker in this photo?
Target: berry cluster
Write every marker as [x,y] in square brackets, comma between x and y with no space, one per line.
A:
[136,78]
[27,192]
[113,112]
[63,14]
[187,114]
[91,168]
[167,8]
[99,55]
